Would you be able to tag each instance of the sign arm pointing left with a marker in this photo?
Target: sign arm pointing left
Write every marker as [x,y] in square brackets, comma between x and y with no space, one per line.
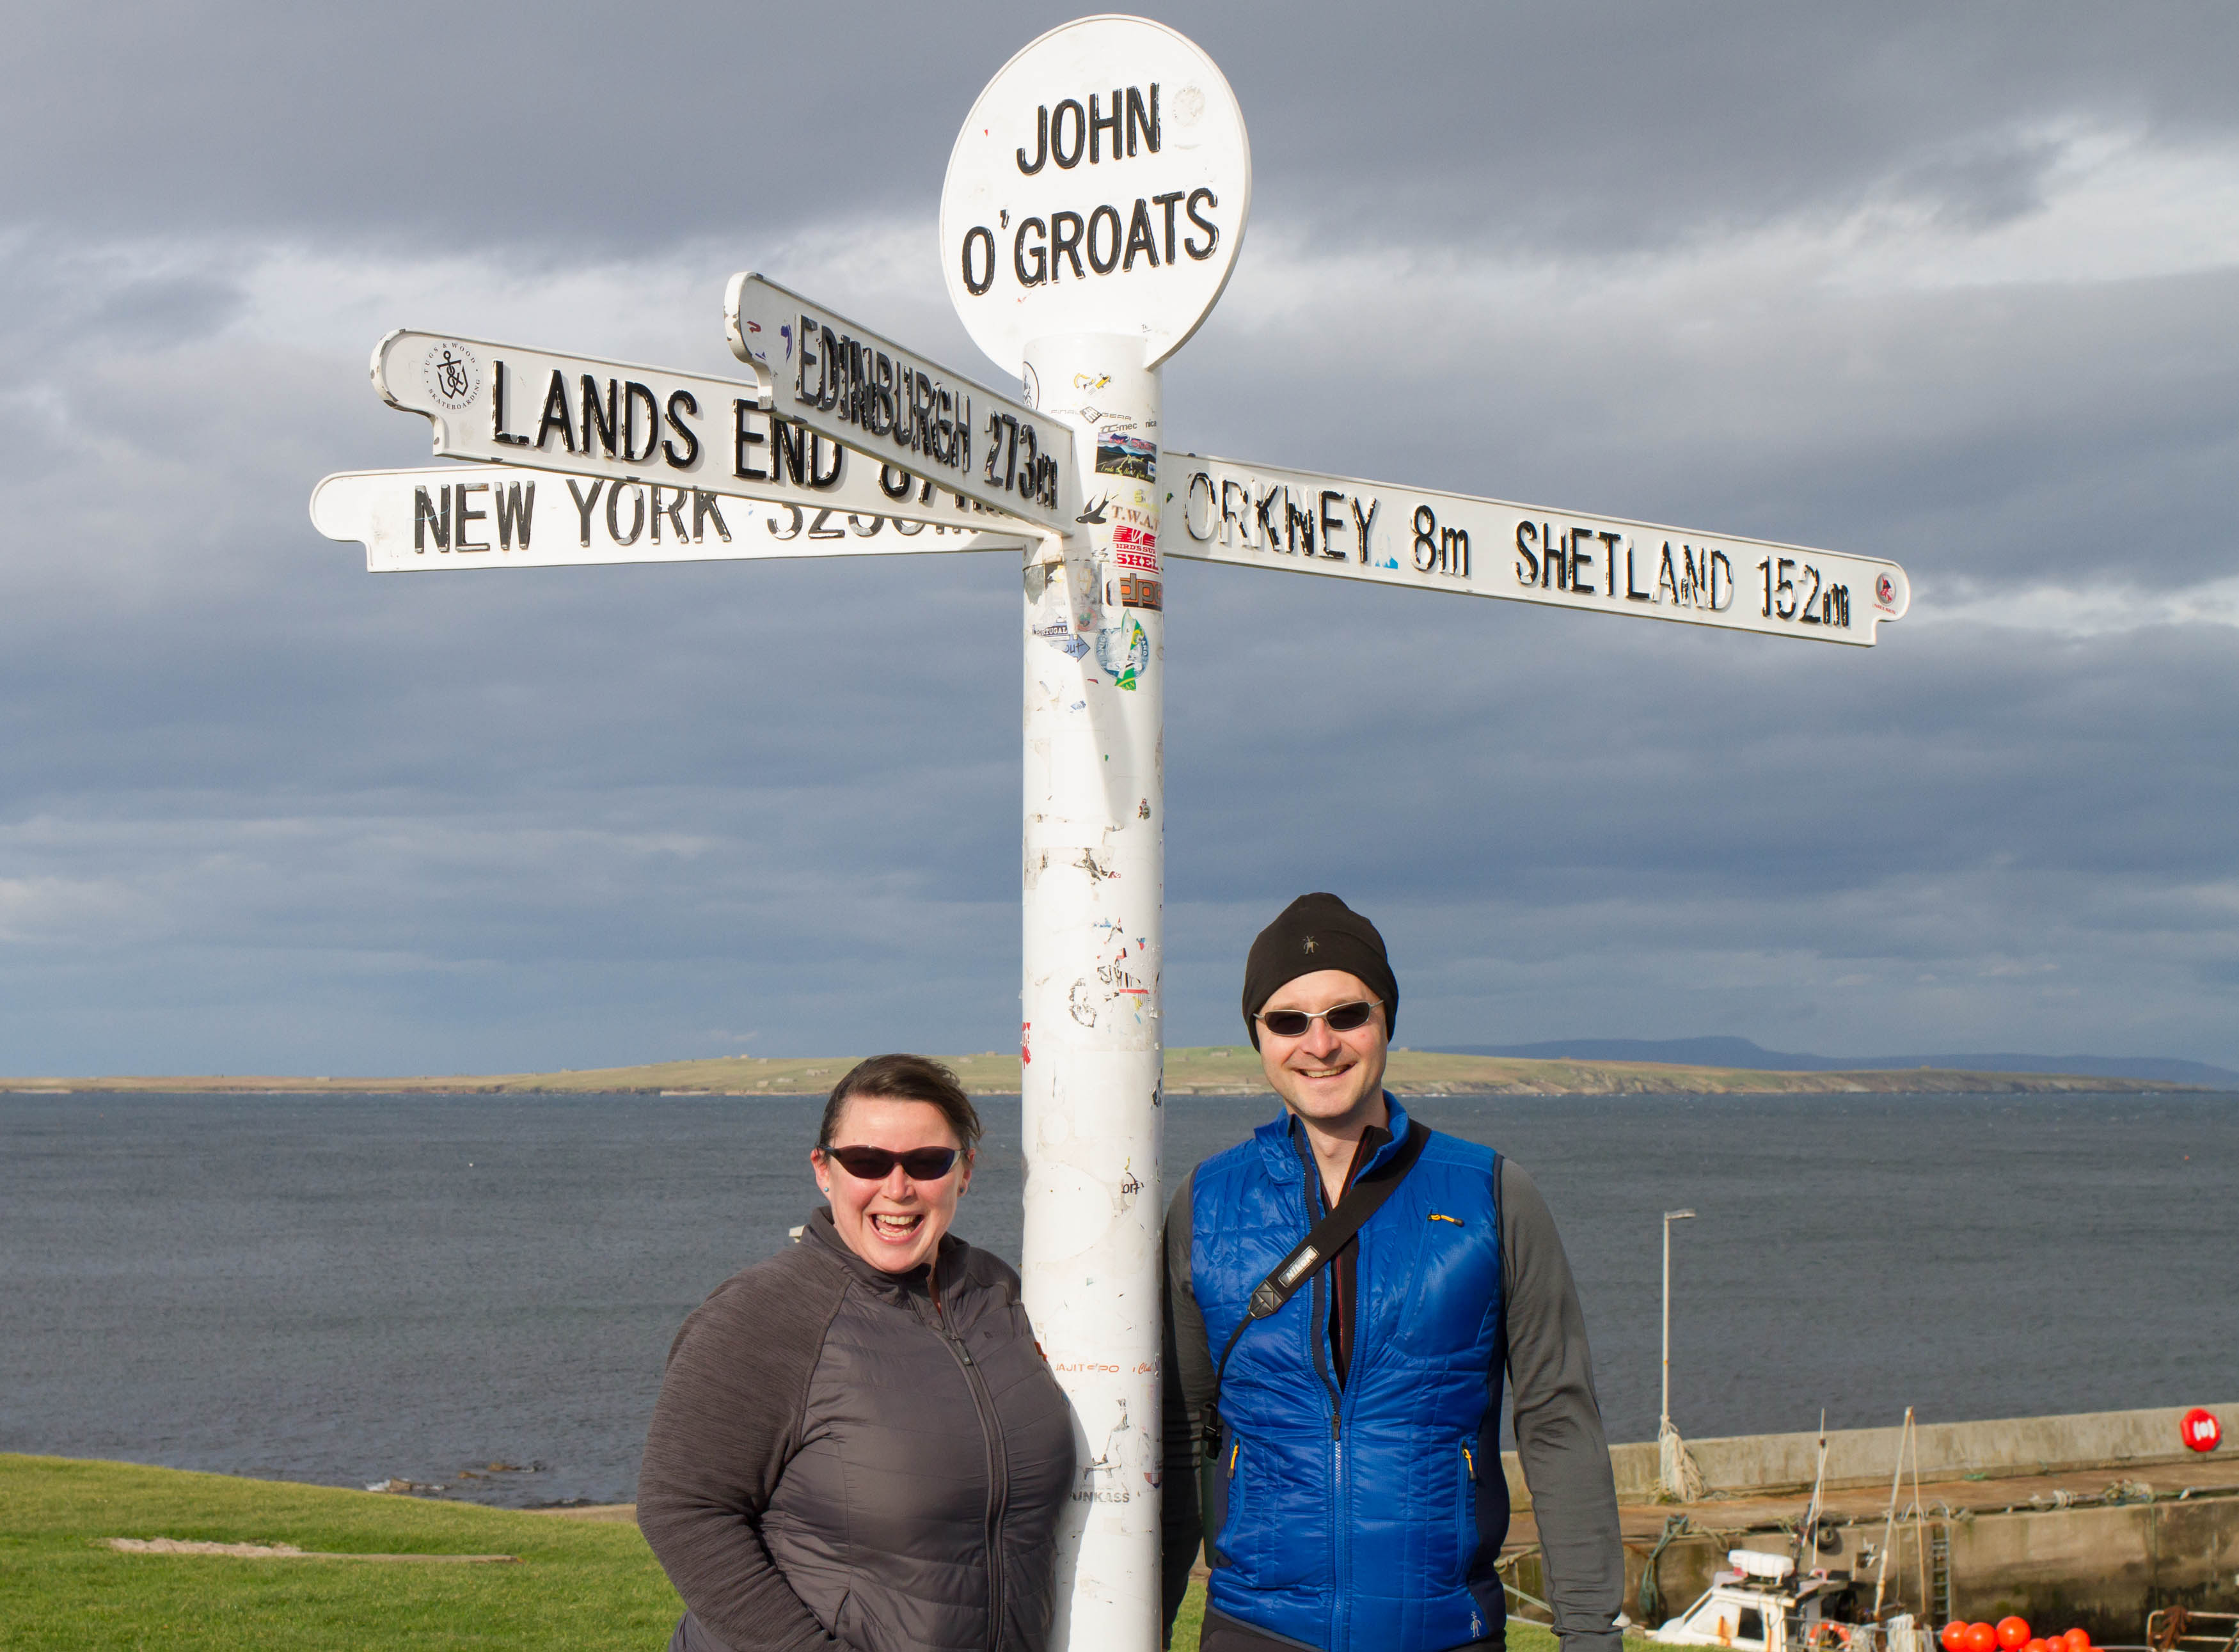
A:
[643,430]
[479,516]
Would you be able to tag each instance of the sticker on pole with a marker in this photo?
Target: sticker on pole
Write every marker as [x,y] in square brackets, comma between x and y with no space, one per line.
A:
[1099,185]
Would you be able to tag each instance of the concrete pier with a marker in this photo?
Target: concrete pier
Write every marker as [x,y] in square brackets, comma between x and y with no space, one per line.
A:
[2090,1520]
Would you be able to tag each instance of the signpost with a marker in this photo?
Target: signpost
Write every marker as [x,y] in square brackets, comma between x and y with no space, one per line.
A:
[1095,201]
[845,382]
[1263,516]
[1100,184]
[643,426]
[469,516]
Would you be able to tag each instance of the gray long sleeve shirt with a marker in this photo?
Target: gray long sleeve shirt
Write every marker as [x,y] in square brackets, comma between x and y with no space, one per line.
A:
[1550,1383]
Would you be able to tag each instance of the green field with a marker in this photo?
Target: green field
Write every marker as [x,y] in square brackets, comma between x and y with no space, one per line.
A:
[579,1584]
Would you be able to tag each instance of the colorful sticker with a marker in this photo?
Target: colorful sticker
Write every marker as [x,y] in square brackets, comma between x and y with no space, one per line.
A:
[1135,546]
[1121,455]
[1141,591]
[1059,636]
[1124,650]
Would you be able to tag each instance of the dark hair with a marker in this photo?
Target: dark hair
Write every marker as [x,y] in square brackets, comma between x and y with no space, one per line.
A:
[905,1079]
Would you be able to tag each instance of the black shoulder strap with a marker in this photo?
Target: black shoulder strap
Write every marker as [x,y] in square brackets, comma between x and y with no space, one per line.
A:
[1328,1236]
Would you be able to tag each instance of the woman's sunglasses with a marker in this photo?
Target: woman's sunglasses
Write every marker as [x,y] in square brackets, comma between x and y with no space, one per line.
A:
[876,1164]
[1293,1023]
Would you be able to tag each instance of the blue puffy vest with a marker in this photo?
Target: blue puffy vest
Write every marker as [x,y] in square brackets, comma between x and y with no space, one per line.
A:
[1365,1518]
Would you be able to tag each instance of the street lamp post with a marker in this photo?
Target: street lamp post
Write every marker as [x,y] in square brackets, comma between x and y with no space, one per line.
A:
[1671,1474]
[1664,1409]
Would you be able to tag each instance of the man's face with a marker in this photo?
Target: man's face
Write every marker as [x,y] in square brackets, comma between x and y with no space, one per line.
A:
[1334,1079]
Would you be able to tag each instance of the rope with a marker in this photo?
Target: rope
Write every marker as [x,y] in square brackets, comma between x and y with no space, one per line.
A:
[1650,1598]
[1517,1589]
[1677,1479]
[1523,1595]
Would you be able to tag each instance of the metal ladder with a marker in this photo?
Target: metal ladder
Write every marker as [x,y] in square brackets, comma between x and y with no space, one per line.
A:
[1939,1579]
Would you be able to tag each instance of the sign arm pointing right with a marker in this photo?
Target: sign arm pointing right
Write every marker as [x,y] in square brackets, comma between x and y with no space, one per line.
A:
[853,387]
[1217,510]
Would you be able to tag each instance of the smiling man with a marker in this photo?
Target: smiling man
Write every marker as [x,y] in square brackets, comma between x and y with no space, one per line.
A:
[1342,1404]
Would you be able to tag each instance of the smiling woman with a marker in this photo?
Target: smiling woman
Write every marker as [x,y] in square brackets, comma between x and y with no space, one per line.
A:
[894,1156]
[857,1439]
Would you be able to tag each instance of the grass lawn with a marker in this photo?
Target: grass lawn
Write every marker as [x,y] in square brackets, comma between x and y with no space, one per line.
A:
[1522,1637]
[579,1584]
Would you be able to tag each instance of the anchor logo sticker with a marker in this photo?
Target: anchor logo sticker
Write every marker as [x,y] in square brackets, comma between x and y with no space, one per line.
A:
[454,377]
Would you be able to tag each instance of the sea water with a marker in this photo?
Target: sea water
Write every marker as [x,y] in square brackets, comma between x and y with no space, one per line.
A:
[348,1290]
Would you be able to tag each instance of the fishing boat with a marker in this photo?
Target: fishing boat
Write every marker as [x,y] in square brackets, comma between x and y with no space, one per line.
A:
[1761,1604]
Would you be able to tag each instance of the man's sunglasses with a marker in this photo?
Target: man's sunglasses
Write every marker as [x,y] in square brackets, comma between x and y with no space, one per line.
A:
[876,1164]
[1293,1023]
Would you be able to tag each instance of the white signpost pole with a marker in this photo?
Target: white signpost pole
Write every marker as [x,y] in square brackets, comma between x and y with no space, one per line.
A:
[1095,204]
[1091,1040]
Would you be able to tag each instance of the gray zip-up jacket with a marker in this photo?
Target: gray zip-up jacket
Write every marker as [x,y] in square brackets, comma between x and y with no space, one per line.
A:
[841,1454]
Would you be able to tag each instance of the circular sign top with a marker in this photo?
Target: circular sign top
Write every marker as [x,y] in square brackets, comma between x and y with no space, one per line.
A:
[1099,185]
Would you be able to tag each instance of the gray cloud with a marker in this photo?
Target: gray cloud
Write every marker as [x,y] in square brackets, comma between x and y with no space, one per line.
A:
[583,128]
[1834,278]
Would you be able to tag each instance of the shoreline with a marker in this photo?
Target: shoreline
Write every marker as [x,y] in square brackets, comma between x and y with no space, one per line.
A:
[1219,1070]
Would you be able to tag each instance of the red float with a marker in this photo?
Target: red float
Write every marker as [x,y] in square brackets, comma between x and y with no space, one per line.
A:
[1980,1637]
[2201,1430]
[2013,1634]
[1954,1636]
[2077,1640]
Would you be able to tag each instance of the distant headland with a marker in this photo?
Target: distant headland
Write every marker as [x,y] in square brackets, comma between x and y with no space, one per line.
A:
[1217,1070]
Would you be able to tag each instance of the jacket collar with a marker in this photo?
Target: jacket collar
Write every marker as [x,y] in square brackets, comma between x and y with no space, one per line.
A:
[1280,1158]
[819,1231]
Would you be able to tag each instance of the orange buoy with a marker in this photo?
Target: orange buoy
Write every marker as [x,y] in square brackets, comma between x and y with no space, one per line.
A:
[1980,1637]
[2079,1640]
[2013,1634]
[1954,1637]
[2039,1643]
[2200,1430]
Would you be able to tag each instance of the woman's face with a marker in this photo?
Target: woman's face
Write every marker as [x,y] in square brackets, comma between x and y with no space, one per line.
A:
[896,1222]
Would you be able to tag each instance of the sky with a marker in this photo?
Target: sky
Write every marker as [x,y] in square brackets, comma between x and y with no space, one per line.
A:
[1949,285]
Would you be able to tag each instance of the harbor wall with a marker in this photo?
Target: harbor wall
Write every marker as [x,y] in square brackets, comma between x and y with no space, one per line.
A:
[2101,1569]
[2072,1555]
[1772,1463]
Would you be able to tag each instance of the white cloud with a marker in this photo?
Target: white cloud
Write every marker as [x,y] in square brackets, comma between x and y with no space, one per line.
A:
[2112,204]
[2064,610]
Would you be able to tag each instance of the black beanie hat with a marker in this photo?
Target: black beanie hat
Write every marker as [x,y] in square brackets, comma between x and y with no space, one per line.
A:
[1314,932]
